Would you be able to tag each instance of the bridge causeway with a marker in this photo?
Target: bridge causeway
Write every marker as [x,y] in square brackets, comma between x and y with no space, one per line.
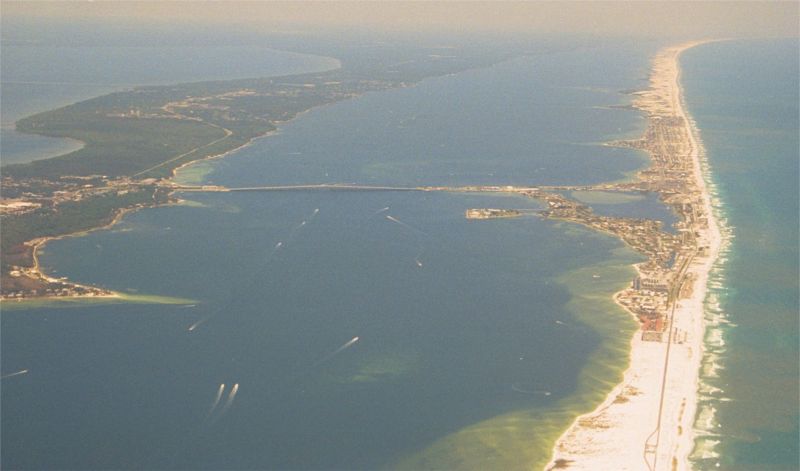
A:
[322,186]
[358,187]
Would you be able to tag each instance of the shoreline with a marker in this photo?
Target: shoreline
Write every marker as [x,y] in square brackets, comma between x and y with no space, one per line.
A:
[100,293]
[67,146]
[634,428]
[95,294]
[272,132]
[36,272]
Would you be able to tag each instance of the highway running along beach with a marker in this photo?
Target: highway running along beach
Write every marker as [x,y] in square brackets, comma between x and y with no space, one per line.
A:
[646,422]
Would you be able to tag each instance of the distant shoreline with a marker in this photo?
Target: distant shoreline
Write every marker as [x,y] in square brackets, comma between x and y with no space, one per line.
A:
[33,283]
[77,291]
[102,293]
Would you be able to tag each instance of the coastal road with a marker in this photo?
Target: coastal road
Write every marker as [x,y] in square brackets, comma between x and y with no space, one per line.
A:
[228,133]
[652,442]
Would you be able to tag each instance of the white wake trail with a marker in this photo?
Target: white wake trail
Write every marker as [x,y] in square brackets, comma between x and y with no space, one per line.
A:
[216,400]
[10,375]
[394,219]
[231,397]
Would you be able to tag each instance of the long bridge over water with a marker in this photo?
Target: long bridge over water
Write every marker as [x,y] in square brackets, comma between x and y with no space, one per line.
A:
[319,186]
[357,187]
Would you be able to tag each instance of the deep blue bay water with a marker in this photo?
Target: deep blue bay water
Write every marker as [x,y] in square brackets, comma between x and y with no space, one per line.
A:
[504,325]
[744,97]
[525,121]
[441,346]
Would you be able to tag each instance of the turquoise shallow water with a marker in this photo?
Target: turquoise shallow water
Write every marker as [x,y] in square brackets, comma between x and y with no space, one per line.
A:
[458,322]
[442,345]
[744,97]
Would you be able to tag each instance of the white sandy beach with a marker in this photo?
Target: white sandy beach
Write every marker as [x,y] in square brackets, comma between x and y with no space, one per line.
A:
[627,431]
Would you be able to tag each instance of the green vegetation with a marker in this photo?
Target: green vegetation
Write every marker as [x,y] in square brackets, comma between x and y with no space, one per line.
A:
[149,131]
[114,146]
[146,133]
[70,217]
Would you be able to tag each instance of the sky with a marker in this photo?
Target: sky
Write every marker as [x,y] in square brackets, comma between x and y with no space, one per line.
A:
[696,19]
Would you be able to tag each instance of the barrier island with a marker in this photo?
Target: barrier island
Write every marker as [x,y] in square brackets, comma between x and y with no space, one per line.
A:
[646,422]
[136,139]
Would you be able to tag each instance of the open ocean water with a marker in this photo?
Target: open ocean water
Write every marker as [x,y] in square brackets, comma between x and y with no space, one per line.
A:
[744,98]
[356,341]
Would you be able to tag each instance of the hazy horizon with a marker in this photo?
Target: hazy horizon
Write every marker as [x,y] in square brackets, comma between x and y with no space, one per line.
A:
[645,19]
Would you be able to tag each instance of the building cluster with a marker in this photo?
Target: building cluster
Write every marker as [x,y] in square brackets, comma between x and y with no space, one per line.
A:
[489,213]
[662,277]
[26,282]
[270,102]
[25,200]
[14,207]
